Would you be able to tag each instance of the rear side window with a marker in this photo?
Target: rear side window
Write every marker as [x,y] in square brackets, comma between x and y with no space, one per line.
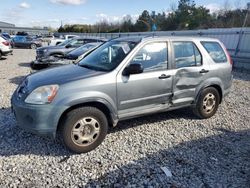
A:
[186,54]
[215,51]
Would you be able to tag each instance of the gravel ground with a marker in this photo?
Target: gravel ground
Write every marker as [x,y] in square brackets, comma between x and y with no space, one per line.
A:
[199,153]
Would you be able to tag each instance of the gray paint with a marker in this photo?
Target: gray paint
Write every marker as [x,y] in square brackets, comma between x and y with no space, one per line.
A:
[124,96]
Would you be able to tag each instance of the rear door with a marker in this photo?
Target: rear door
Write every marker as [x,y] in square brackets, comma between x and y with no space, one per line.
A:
[138,93]
[190,71]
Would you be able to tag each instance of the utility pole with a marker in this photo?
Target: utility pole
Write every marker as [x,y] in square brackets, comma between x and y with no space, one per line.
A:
[241,30]
[248,9]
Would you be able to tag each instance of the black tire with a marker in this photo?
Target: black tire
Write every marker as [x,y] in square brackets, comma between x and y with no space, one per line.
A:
[207,103]
[33,46]
[84,129]
[0,55]
[32,65]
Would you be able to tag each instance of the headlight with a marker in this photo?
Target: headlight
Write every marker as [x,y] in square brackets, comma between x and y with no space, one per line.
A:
[42,95]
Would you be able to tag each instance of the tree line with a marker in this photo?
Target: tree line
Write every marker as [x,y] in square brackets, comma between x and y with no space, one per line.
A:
[186,16]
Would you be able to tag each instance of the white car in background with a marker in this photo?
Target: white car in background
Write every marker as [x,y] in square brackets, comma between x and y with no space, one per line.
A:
[56,41]
[5,47]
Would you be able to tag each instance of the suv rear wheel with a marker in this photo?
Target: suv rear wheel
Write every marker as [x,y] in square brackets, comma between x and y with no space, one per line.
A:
[84,129]
[207,103]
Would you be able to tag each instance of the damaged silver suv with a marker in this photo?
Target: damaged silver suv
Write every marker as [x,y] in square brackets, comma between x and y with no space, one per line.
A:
[122,79]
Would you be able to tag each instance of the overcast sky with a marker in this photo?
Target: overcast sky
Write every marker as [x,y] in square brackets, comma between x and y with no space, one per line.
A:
[52,12]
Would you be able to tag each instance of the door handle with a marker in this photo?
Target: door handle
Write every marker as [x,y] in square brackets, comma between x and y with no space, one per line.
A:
[164,76]
[204,71]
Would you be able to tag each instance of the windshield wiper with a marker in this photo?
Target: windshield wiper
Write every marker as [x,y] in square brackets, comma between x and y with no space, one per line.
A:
[93,67]
[86,66]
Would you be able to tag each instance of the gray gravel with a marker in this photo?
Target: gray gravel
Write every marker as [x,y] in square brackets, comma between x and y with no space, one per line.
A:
[199,153]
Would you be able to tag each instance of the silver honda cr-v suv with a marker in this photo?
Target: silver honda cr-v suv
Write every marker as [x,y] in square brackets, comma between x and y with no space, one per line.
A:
[123,78]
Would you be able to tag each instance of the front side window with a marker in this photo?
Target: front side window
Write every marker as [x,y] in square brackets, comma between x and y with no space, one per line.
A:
[153,57]
[215,51]
[186,54]
[108,56]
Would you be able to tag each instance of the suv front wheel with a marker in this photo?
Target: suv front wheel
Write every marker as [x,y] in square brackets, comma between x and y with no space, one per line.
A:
[207,103]
[84,129]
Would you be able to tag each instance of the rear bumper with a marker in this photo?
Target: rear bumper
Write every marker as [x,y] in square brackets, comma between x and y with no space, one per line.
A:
[7,52]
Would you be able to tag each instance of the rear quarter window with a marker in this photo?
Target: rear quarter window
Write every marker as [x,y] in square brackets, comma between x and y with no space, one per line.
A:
[215,51]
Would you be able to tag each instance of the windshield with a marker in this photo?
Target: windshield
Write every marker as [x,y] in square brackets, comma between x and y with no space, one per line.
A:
[108,56]
[84,48]
[65,42]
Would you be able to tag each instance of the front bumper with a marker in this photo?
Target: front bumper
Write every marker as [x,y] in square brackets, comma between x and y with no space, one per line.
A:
[38,119]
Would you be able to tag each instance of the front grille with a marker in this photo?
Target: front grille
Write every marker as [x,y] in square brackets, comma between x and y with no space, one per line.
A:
[39,53]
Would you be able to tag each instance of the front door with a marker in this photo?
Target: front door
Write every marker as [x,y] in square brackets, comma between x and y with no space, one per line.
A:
[138,93]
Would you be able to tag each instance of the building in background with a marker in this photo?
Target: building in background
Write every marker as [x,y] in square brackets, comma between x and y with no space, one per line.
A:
[12,29]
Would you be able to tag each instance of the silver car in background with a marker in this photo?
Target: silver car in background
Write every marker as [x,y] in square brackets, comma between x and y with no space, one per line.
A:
[124,78]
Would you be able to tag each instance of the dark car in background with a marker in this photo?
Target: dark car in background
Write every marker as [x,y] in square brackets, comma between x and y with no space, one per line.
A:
[76,53]
[69,58]
[6,35]
[26,42]
[47,54]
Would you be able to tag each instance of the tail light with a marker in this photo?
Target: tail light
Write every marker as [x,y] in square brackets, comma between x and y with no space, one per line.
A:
[6,43]
[228,55]
[230,59]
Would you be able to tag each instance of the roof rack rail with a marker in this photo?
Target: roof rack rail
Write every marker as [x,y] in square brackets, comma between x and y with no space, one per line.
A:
[148,36]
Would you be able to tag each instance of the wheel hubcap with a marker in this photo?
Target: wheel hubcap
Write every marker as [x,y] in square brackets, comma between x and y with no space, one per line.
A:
[209,103]
[85,131]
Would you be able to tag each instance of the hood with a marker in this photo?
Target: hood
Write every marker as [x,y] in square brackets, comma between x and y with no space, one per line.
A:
[60,75]
[50,47]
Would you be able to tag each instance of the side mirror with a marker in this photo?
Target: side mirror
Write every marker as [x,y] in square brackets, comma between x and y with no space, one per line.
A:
[136,68]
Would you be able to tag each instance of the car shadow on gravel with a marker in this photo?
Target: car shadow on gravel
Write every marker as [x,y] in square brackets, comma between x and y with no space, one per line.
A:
[221,160]
[3,58]
[15,141]
[17,80]
[240,74]
[24,64]
[184,113]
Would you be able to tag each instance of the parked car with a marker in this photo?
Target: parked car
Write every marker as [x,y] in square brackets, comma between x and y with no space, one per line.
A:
[124,78]
[25,41]
[69,58]
[45,54]
[56,41]
[5,47]
[7,37]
